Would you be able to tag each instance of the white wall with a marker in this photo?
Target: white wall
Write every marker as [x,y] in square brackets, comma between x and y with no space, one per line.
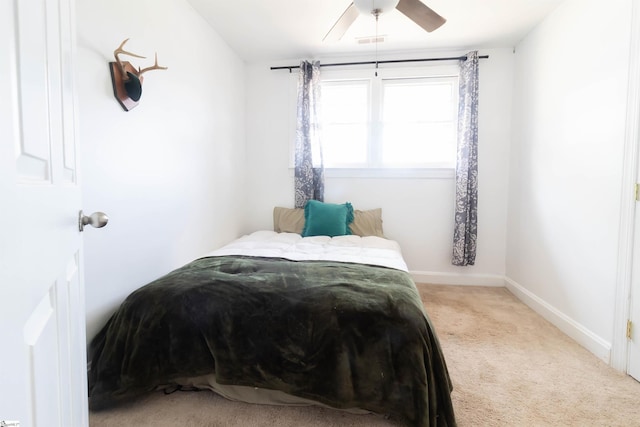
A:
[168,173]
[568,137]
[416,212]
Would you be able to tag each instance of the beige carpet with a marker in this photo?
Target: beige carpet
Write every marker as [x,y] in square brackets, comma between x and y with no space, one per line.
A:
[509,367]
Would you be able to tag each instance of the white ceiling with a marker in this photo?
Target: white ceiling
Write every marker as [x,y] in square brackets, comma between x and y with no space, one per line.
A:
[269,30]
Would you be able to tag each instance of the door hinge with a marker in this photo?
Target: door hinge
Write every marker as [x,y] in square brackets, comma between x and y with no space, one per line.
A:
[637,191]
[629,329]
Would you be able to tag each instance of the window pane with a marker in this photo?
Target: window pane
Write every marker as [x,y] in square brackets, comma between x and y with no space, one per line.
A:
[345,121]
[418,102]
[345,102]
[344,145]
[418,122]
[418,144]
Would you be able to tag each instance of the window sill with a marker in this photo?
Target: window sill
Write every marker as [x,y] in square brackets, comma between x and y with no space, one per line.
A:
[418,173]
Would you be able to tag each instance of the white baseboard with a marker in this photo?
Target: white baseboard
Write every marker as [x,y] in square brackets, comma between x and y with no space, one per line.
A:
[440,278]
[573,329]
[583,336]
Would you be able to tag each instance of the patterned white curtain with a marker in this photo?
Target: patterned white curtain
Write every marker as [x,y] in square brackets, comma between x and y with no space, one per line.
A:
[309,170]
[466,208]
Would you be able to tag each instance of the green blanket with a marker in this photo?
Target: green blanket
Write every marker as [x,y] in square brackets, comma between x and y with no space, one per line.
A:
[347,335]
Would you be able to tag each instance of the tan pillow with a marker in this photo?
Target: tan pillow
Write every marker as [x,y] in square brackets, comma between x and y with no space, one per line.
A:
[367,223]
[287,220]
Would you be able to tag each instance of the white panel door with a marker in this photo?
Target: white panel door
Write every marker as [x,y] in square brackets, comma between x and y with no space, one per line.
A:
[633,364]
[42,332]
[633,117]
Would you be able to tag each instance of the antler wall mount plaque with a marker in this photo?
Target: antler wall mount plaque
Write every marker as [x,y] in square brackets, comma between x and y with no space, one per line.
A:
[126,79]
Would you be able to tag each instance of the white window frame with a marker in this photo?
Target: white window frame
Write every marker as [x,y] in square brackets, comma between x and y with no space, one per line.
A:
[371,170]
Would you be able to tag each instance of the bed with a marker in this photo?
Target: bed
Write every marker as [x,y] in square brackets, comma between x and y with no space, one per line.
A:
[274,317]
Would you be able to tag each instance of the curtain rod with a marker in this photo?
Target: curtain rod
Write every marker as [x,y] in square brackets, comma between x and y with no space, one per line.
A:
[390,61]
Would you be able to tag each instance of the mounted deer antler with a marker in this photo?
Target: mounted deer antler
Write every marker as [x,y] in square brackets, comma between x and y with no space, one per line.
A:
[127,81]
[154,67]
[119,51]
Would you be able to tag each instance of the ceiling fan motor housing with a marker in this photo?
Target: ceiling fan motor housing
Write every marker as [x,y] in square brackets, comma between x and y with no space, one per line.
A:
[376,7]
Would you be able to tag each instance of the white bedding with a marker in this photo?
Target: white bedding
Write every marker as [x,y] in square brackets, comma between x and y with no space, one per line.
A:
[370,250]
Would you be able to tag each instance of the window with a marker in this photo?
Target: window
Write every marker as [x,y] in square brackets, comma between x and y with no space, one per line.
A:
[392,121]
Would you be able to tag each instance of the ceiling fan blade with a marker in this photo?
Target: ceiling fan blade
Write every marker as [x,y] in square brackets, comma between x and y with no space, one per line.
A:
[342,24]
[421,14]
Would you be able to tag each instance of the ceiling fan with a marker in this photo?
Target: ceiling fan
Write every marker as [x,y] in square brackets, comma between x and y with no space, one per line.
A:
[415,10]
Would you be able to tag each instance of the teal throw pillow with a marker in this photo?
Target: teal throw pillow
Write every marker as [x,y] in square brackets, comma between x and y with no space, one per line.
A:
[327,219]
